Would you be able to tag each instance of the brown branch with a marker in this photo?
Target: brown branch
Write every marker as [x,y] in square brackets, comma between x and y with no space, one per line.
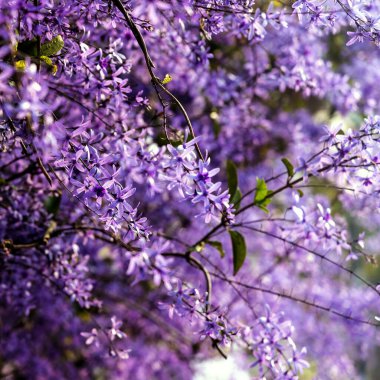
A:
[150,66]
[321,256]
[283,294]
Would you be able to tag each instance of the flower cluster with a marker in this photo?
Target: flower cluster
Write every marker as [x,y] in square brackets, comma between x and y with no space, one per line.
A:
[188,302]
[363,15]
[110,335]
[272,344]
[95,180]
[194,181]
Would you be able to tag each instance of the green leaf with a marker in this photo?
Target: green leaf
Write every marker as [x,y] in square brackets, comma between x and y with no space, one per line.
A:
[261,191]
[262,195]
[30,47]
[232,178]
[289,166]
[52,67]
[237,198]
[47,60]
[239,250]
[217,245]
[52,47]
[52,204]
[264,203]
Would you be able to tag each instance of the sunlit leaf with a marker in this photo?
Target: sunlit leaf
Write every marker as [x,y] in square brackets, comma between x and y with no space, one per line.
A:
[261,190]
[52,47]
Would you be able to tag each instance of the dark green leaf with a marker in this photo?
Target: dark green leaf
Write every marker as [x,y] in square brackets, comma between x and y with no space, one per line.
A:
[28,47]
[52,204]
[239,250]
[289,166]
[217,245]
[236,198]
[232,177]
[216,127]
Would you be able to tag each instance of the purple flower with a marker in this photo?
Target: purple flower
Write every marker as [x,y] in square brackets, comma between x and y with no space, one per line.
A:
[114,331]
[91,337]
